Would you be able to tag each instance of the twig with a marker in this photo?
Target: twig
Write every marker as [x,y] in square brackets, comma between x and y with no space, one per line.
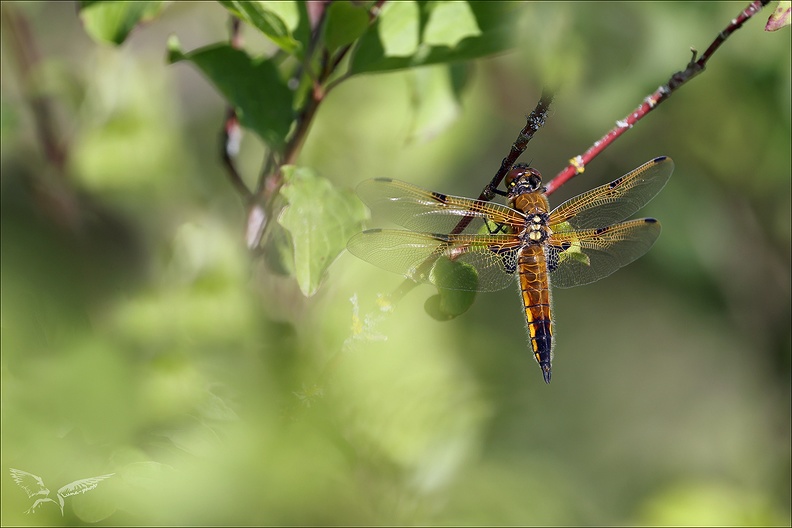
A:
[535,121]
[229,147]
[578,164]
[27,59]
[54,196]
[231,134]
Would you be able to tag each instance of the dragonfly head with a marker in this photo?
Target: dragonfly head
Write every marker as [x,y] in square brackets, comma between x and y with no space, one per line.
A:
[523,179]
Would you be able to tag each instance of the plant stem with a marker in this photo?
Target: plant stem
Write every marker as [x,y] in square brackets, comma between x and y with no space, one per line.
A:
[578,164]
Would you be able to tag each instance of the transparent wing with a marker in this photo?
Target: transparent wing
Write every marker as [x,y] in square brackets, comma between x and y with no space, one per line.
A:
[404,252]
[421,210]
[615,201]
[82,485]
[581,257]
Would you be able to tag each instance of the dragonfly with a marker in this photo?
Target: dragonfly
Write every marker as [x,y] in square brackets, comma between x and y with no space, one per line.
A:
[581,241]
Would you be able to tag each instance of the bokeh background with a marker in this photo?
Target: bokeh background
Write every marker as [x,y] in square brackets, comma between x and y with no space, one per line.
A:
[139,337]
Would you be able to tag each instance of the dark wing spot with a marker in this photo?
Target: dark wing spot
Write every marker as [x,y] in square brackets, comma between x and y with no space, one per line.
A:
[602,230]
[650,220]
[659,159]
[615,183]
[509,264]
[440,197]
[552,260]
[371,231]
[566,245]
[384,180]
[499,228]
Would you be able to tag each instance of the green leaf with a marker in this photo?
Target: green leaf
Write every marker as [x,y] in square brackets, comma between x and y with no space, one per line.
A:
[253,86]
[399,28]
[345,23]
[450,23]
[113,21]
[320,219]
[274,19]
[452,303]
[446,33]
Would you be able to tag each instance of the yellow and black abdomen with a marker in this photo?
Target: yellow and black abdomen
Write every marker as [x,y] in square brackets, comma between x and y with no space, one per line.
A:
[535,290]
[532,270]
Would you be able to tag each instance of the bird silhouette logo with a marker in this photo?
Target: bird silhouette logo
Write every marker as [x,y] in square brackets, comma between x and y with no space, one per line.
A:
[35,487]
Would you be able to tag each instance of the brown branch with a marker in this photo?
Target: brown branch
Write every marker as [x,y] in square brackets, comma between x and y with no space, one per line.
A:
[535,120]
[27,59]
[231,134]
[578,164]
[54,196]
[229,148]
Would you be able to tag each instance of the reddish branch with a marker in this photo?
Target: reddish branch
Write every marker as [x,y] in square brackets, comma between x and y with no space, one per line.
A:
[232,132]
[578,164]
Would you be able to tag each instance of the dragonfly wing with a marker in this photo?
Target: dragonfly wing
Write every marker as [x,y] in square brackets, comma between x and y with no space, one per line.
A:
[404,252]
[581,257]
[615,201]
[421,210]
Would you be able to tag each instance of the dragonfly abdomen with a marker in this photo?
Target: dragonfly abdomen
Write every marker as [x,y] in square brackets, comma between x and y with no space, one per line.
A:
[535,291]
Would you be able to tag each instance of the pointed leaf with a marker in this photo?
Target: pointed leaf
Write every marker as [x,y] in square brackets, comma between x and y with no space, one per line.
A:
[113,21]
[320,219]
[253,86]
[345,23]
[268,17]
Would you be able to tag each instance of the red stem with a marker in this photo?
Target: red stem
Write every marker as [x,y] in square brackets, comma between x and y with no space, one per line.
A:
[578,164]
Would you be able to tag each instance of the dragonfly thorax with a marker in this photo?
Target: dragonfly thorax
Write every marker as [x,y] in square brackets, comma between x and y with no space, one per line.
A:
[536,228]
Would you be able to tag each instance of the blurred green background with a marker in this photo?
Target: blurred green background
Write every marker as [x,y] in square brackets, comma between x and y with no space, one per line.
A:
[139,338]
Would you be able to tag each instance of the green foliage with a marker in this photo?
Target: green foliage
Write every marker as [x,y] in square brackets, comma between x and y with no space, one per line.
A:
[112,22]
[410,34]
[253,86]
[320,220]
[267,17]
[140,336]
[345,24]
